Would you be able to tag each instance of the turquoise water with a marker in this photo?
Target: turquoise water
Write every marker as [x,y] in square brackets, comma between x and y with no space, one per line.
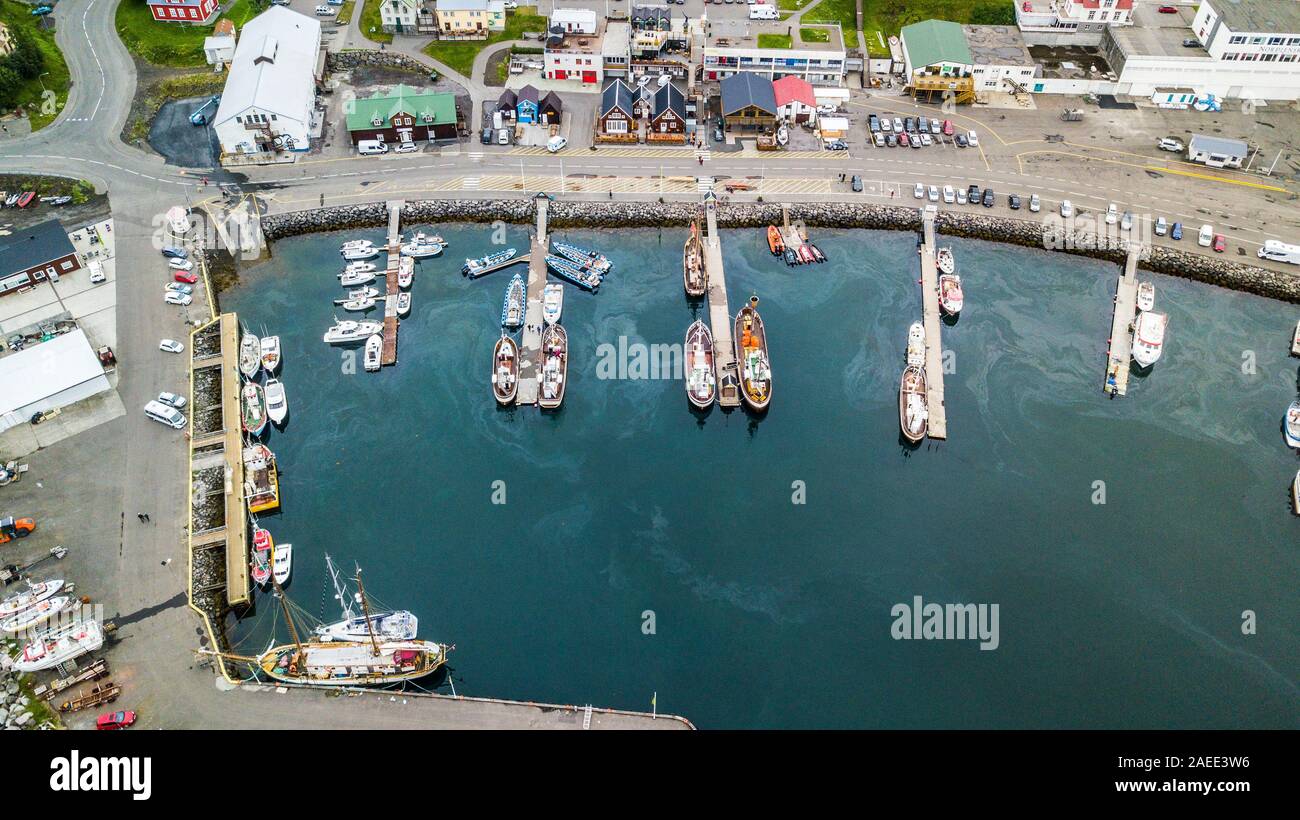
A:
[771,613]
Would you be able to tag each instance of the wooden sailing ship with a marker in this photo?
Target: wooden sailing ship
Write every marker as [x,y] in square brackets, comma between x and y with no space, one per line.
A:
[695,277]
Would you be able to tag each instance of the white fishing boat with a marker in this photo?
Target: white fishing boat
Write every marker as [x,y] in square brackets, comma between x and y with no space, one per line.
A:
[397,625]
[277,404]
[361,253]
[360,266]
[281,562]
[1291,425]
[374,352]
[701,380]
[60,646]
[30,597]
[555,366]
[913,412]
[356,244]
[1149,337]
[552,303]
[944,260]
[36,616]
[512,307]
[351,278]
[951,297]
[359,293]
[423,245]
[916,344]
[358,305]
[403,304]
[250,355]
[348,331]
[505,370]
[405,272]
[1146,295]
[270,353]
[253,406]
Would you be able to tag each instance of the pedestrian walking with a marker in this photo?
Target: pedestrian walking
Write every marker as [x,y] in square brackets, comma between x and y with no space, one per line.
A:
[701,159]
[146,516]
[140,516]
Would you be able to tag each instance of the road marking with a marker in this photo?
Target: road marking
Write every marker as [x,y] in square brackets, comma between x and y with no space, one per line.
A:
[103,79]
[1241,182]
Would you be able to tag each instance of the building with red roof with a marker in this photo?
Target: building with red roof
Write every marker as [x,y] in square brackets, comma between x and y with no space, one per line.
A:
[795,100]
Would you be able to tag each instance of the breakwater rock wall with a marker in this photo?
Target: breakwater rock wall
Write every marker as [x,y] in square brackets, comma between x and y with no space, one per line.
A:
[1047,232]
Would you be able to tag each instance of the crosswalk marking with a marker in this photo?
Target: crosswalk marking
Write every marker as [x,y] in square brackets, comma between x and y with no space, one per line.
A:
[470,183]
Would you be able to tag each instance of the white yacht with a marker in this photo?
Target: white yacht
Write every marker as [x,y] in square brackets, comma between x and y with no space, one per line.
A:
[361,253]
[1149,337]
[30,597]
[398,625]
[281,562]
[423,245]
[351,278]
[250,355]
[347,331]
[35,616]
[374,352]
[405,272]
[916,344]
[277,405]
[1291,425]
[358,305]
[270,353]
[60,646]
[552,303]
[1146,295]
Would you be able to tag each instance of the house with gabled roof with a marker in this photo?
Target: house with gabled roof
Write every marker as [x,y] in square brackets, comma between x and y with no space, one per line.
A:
[616,120]
[667,115]
[403,114]
[748,102]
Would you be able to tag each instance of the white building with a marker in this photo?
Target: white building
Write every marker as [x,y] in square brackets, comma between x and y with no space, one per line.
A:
[615,48]
[821,64]
[577,57]
[1217,152]
[47,376]
[399,15]
[574,21]
[271,91]
[220,47]
[1070,22]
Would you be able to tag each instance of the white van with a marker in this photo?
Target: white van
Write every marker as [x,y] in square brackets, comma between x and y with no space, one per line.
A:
[365,147]
[163,414]
[97,272]
[1206,236]
[763,11]
[324,11]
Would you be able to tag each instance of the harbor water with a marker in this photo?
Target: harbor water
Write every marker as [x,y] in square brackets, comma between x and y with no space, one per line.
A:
[745,569]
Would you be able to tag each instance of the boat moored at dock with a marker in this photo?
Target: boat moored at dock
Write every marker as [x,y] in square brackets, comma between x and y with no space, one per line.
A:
[750,338]
[360,305]
[347,331]
[261,479]
[403,304]
[250,355]
[60,646]
[1146,295]
[775,243]
[360,253]
[277,403]
[505,370]
[512,307]
[398,625]
[552,303]
[592,260]
[913,413]
[359,293]
[701,379]
[356,244]
[405,272]
[1149,337]
[1291,425]
[263,544]
[474,268]
[253,404]
[353,663]
[281,563]
[582,277]
[951,297]
[695,277]
[916,344]
[555,366]
[352,278]
[374,352]
[944,260]
[423,246]
[270,354]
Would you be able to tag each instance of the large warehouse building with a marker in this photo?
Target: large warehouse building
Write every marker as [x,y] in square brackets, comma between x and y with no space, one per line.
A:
[48,375]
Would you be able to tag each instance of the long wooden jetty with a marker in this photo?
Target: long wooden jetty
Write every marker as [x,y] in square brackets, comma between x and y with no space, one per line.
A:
[1121,326]
[530,355]
[724,351]
[389,356]
[938,423]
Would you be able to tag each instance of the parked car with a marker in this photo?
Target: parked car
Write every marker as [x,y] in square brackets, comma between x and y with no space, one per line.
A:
[172,400]
[960,140]
[961,196]
[923,124]
[935,130]
[97,275]
[1035,205]
[503,136]
[919,191]
[1167,10]
[1162,227]
[903,139]
[898,124]
[1170,144]
[163,414]
[1126,221]
[972,138]
[934,193]
[406,147]
[180,287]
[1013,201]
[949,195]
[886,125]
[1219,243]
[175,253]
[189,277]
[926,139]
[1176,232]
[973,194]
[1067,209]
[115,720]
[486,136]
[324,11]
[873,122]
[1112,214]
[171,346]
[915,141]
[947,128]
[556,144]
[878,140]
[891,140]
[837,145]
[1205,236]
[988,198]
[180,264]
[174,298]
[856,184]
[909,125]
[1191,42]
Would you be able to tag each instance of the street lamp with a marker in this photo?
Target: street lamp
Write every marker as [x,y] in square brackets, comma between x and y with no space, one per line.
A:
[42,82]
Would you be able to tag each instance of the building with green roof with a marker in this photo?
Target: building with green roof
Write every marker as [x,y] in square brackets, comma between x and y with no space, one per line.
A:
[403,114]
[936,47]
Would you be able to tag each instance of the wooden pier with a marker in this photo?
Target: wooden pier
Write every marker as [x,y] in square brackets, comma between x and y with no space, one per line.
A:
[530,353]
[790,234]
[724,350]
[389,356]
[1121,327]
[938,423]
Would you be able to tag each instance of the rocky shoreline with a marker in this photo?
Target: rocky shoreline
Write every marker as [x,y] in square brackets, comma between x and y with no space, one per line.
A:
[1048,233]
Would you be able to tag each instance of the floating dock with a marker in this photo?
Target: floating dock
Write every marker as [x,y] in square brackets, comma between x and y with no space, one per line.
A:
[530,354]
[938,425]
[724,350]
[1295,341]
[1121,327]
[389,356]
[789,234]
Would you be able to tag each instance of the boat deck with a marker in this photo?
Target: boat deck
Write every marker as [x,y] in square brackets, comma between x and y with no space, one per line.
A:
[1121,327]
[724,352]
[938,423]
[530,350]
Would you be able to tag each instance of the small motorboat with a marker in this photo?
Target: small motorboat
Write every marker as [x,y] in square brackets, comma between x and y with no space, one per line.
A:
[360,266]
[360,253]
[30,597]
[555,366]
[281,563]
[791,258]
[351,278]
[1291,425]
[916,344]
[250,355]
[253,402]
[1149,337]
[505,370]
[582,257]
[816,252]
[263,544]
[1146,296]
[356,244]
[270,353]
[582,277]
[374,350]
[486,264]
[357,305]
[695,277]
[60,646]
[405,272]
[944,260]
[750,339]
[552,303]
[403,304]
[774,241]
[359,293]
[38,615]
[1295,493]
[348,331]
[423,246]
[512,309]
[806,255]
[701,380]
[277,404]
[913,412]
[950,295]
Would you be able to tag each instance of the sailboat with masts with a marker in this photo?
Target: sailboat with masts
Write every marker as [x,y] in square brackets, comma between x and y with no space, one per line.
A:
[398,625]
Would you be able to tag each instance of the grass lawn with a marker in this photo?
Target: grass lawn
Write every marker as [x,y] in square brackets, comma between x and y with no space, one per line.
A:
[814,35]
[459,54]
[18,15]
[775,41]
[371,25]
[346,11]
[171,44]
[887,17]
[792,5]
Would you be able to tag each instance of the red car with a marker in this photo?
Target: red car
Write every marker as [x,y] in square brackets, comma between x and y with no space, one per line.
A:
[189,277]
[902,139]
[1219,243]
[1167,10]
[947,128]
[115,720]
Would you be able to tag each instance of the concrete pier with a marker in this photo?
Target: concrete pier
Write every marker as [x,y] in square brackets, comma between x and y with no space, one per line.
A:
[938,424]
[389,356]
[1121,327]
[530,354]
[724,350]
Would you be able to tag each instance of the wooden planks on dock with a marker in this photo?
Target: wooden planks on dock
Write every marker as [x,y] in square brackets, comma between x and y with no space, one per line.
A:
[1121,327]
[389,355]
[724,351]
[236,512]
[938,422]
[530,348]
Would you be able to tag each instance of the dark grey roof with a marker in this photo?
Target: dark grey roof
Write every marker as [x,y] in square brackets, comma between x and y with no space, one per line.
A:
[34,246]
[528,94]
[746,88]
[552,101]
[507,99]
[659,15]
[669,97]
[616,95]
